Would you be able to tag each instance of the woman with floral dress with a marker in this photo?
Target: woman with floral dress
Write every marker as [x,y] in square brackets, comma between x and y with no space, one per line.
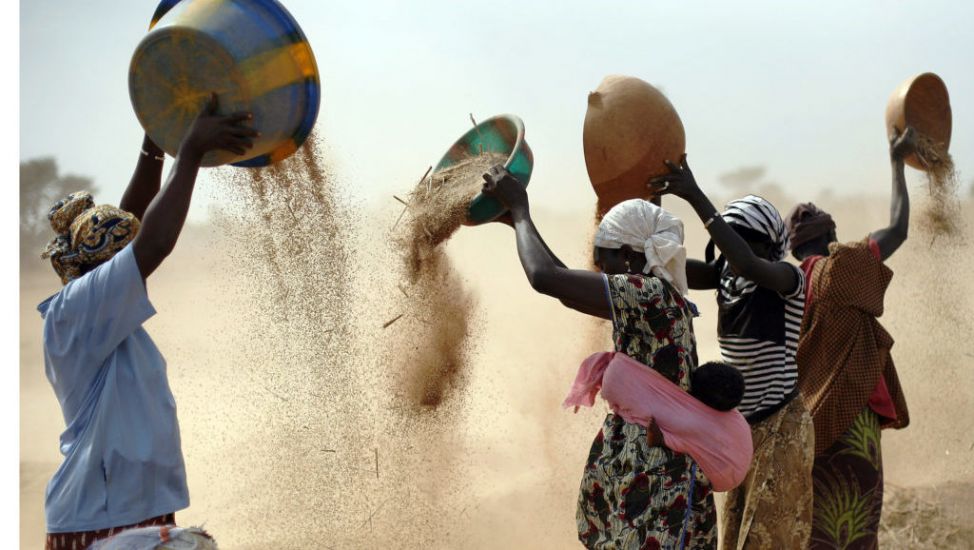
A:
[635,492]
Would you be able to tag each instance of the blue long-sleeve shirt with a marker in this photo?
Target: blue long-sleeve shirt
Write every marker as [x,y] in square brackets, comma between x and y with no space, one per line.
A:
[123,461]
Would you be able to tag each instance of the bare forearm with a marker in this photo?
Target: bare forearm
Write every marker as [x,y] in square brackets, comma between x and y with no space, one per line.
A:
[548,251]
[732,245]
[899,216]
[775,276]
[166,215]
[510,221]
[702,275]
[146,180]
[536,258]
[727,240]
[891,238]
[580,290]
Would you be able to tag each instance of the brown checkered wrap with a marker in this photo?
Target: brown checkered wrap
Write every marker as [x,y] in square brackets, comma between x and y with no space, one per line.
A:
[843,349]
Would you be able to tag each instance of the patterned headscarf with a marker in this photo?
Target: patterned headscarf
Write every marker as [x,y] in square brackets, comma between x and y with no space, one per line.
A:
[649,229]
[759,215]
[807,222]
[87,235]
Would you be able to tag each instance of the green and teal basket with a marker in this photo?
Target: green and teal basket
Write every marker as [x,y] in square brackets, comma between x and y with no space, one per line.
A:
[500,134]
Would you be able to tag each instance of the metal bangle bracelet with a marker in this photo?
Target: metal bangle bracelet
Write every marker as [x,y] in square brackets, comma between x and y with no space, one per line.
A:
[146,154]
[710,220]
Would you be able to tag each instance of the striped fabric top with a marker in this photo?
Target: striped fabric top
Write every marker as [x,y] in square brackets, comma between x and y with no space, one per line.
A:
[757,328]
[758,333]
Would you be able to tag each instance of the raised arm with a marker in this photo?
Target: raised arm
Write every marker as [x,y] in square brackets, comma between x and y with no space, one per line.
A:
[891,237]
[508,219]
[145,180]
[166,214]
[777,276]
[579,289]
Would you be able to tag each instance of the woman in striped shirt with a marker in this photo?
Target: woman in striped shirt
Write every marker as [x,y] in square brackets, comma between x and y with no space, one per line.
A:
[761,301]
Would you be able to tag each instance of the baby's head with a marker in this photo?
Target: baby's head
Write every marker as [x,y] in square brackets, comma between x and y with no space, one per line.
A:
[717,385]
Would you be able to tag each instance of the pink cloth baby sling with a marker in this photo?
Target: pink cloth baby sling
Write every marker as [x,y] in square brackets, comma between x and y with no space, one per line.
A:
[719,442]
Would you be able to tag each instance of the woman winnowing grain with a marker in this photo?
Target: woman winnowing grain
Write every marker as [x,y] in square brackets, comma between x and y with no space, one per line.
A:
[847,376]
[635,492]
[760,302]
[123,463]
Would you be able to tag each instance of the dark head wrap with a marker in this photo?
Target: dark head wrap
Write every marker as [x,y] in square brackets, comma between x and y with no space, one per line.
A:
[87,235]
[807,222]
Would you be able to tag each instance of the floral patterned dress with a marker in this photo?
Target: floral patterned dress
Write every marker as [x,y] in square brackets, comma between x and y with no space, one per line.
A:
[634,495]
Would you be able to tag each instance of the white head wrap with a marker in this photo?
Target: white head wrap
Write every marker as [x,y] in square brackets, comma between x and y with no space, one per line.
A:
[649,229]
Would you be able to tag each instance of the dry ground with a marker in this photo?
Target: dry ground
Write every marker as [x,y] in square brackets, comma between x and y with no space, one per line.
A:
[514,453]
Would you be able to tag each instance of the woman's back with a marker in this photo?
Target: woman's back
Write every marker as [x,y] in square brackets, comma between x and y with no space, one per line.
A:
[634,492]
[653,324]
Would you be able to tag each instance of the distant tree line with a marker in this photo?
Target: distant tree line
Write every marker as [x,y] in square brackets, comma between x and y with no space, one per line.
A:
[40,187]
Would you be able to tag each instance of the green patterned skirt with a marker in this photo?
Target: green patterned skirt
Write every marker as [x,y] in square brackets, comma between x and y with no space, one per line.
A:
[848,480]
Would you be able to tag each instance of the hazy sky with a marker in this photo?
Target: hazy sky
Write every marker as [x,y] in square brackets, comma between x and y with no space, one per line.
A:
[801,90]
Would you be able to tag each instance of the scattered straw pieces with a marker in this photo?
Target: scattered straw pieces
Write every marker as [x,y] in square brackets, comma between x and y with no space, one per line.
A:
[391,321]
[941,214]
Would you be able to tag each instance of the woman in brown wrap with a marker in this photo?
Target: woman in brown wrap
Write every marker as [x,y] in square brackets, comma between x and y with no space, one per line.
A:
[846,373]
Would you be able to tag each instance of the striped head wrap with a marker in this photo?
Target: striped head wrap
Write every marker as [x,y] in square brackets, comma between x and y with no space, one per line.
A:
[759,215]
[87,235]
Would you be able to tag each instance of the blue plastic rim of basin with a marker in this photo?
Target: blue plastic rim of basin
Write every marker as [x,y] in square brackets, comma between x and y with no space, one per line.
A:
[251,52]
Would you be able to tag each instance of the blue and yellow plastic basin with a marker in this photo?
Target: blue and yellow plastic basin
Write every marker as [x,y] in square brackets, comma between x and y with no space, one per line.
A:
[500,134]
[250,52]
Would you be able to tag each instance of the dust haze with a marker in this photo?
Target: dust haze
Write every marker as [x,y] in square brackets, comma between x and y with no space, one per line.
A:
[294,424]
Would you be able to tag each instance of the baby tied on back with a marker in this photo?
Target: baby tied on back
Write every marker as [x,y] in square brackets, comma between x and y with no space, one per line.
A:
[719,441]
